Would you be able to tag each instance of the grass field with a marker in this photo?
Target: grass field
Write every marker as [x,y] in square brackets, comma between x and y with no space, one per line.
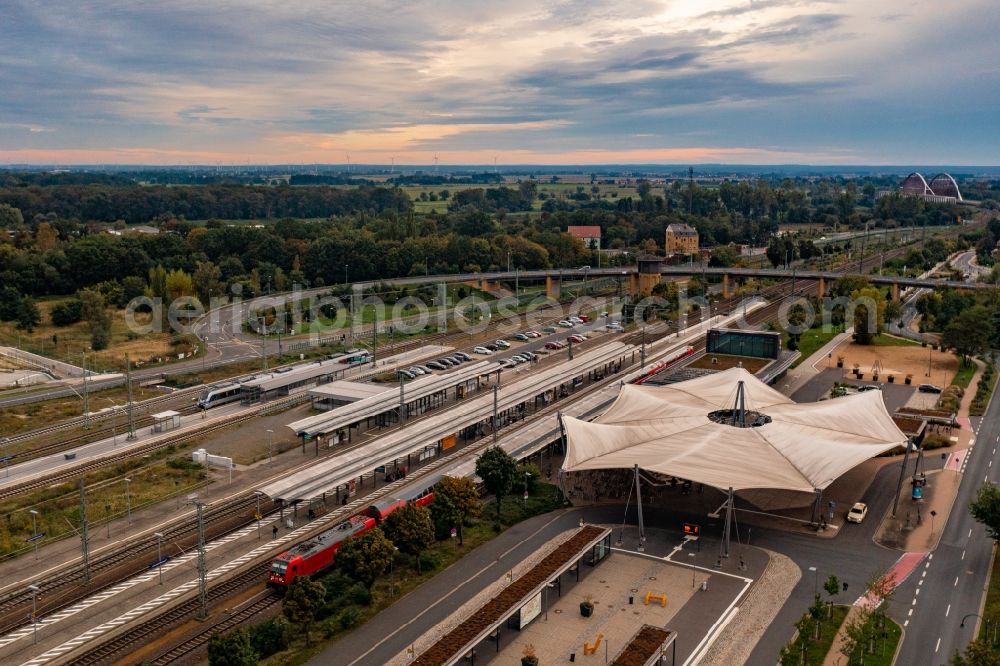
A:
[813,339]
[964,375]
[67,343]
[815,650]
[152,479]
[886,340]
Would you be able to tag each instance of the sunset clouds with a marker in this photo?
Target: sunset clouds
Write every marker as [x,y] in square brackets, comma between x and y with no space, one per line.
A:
[772,81]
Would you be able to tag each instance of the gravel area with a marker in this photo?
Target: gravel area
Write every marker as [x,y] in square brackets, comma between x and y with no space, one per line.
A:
[735,643]
[464,611]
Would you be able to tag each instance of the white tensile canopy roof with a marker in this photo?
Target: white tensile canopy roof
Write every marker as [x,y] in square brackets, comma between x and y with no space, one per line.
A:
[667,429]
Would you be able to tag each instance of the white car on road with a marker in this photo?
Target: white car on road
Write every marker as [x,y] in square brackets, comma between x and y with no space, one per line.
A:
[483,350]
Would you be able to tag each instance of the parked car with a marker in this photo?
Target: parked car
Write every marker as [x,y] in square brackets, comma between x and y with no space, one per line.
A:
[492,346]
[533,334]
[414,370]
[446,362]
[584,318]
[575,320]
[482,350]
[502,344]
[463,356]
[615,328]
[523,337]
[437,365]
[857,512]
[456,360]
[565,323]
[520,358]
[576,338]
[406,373]
[868,387]
[507,364]
[929,388]
[554,345]
[549,329]
[426,370]
[531,356]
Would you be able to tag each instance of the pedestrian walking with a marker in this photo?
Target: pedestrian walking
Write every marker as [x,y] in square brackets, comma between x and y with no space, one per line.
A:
[274,532]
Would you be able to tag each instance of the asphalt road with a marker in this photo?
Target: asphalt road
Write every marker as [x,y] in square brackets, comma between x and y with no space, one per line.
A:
[959,570]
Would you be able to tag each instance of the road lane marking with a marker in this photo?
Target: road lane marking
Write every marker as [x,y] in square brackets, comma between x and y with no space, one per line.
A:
[956,582]
[970,532]
[938,646]
[947,610]
[963,554]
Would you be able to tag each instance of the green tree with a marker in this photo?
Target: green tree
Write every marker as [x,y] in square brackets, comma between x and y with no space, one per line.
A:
[67,312]
[366,557]
[10,297]
[832,587]
[95,311]
[411,529]
[232,649]
[985,508]
[966,333]
[977,653]
[303,600]
[463,496]
[28,316]
[497,470]
[207,279]
[868,324]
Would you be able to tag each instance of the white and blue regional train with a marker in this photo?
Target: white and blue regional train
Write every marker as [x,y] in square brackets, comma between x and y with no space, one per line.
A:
[281,381]
[219,394]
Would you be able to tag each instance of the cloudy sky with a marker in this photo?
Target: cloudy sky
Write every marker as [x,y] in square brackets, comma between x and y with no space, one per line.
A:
[522,81]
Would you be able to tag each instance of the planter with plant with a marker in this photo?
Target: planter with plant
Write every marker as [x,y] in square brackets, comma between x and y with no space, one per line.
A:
[587,606]
[529,658]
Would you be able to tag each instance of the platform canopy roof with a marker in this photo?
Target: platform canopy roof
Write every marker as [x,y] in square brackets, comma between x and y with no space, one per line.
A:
[667,429]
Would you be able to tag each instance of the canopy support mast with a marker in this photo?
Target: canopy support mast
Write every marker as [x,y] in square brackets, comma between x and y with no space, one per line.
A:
[638,504]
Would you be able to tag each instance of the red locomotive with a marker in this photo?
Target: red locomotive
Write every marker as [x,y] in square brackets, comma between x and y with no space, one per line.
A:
[317,554]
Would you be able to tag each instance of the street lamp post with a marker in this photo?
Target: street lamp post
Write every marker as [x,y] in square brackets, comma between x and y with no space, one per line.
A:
[815,580]
[345,274]
[159,553]
[269,434]
[34,529]
[128,499]
[34,612]
[526,476]
[257,515]
[692,556]
[392,575]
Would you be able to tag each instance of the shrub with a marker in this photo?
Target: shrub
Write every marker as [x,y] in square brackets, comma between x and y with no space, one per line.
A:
[349,617]
[359,595]
[429,561]
[270,637]
[67,312]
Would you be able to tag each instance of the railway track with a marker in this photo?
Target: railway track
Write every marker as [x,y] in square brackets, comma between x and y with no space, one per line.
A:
[259,604]
[144,449]
[81,421]
[155,626]
[59,591]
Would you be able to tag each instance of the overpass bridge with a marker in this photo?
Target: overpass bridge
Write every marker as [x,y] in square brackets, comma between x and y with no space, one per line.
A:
[649,272]
[822,277]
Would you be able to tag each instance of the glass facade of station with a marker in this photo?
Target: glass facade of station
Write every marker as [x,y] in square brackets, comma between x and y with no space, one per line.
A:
[757,344]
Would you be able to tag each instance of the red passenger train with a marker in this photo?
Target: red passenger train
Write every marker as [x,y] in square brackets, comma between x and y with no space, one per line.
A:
[317,554]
